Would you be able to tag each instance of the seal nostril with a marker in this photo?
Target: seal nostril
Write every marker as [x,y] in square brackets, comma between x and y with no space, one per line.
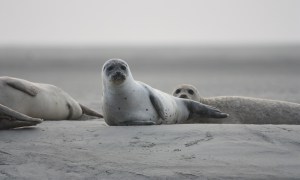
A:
[183,96]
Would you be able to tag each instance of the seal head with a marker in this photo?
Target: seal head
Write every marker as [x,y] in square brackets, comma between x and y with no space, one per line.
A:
[116,71]
[186,91]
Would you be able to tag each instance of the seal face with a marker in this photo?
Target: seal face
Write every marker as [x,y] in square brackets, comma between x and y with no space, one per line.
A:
[129,102]
[186,91]
[116,71]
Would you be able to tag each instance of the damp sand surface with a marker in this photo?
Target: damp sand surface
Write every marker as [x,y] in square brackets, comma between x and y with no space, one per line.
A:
[92,150]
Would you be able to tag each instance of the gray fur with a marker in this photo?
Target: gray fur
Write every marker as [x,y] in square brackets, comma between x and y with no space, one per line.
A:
[157,104]
[24,86]
[245,110]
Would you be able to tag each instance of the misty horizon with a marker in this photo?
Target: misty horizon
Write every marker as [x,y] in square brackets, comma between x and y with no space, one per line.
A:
[149,23]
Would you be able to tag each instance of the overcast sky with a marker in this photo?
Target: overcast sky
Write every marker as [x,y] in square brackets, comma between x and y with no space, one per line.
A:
[129,22]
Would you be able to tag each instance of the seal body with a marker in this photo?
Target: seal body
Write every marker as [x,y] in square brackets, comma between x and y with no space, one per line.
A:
[244,110]
[39,100]
[130,102]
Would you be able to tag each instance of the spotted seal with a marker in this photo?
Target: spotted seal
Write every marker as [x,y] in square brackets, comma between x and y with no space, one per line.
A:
[130,102]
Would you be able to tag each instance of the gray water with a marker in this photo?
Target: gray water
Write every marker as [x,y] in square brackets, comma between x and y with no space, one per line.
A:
[263,72]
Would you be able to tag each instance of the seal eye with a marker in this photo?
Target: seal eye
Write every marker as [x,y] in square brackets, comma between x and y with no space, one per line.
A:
[177,91]
[123,67]
[190,91]
[110,68]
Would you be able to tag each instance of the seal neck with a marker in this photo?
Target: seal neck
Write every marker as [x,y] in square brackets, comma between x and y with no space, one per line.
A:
[122,88]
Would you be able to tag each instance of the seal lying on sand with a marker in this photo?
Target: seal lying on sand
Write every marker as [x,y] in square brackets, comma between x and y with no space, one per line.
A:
[43,101]
[129,102]
[244,110]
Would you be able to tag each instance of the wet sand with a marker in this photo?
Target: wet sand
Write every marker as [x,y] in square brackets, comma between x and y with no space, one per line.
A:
[92,150]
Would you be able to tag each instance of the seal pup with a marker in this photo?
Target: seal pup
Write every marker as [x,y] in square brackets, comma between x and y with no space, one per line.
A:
[129,102]
[244,110]
[12,119]
[43,101]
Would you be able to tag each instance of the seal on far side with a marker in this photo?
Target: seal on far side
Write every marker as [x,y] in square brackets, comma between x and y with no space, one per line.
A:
[43,101]
[244,110]
[129,102]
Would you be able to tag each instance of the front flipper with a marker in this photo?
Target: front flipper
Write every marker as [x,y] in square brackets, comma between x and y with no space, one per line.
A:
[156,102]
[12,119]
[203,110]
[22,85]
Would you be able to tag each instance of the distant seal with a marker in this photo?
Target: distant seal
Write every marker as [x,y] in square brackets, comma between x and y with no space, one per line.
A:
[13,119]
[43,101]
[129,102]
[245,110]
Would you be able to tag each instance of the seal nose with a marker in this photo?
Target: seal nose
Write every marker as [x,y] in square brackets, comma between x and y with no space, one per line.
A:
[183,96]
[118,73]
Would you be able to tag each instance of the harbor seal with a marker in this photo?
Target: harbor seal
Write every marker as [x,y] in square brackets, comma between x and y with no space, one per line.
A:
[43,101]
[244,110]
[129,102]
[13,119]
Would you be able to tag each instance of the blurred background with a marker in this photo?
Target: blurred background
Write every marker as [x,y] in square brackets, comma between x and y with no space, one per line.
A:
[223,47]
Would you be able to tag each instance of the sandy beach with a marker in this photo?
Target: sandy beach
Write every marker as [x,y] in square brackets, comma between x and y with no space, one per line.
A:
[92,150]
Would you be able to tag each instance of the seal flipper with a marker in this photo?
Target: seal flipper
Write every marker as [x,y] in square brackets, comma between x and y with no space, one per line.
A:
[88,111]
[12,119]
[156,102]
[22,85]
[158,106]
[203,110]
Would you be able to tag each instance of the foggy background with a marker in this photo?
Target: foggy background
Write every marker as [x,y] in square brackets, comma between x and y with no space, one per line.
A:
[141,22]
[223,47]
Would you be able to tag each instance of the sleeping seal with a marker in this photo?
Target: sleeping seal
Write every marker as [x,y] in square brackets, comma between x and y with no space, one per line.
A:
[43,101]
[244,110]
[129,102]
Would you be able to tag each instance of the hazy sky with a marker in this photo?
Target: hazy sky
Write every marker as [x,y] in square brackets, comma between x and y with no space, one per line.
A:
[90,22]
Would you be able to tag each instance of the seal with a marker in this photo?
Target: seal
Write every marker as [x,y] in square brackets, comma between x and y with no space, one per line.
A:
[130,102]
[43,101]
[13,119]
[244,110]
